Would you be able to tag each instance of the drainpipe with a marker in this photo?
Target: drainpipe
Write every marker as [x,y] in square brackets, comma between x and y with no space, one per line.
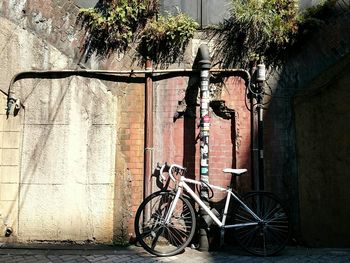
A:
[261,78]
[148,130]
[253,139]
[205,64]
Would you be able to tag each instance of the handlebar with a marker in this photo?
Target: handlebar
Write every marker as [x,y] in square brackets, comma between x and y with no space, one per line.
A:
[172,168]
[177,167]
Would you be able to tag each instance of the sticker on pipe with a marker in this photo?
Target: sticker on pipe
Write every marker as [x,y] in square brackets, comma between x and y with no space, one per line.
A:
[205,73]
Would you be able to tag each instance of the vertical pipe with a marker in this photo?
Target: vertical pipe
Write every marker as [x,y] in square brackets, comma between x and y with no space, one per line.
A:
[148,130]
[205,65]
[260,110]
[253,139]
[261,78]
[204,131]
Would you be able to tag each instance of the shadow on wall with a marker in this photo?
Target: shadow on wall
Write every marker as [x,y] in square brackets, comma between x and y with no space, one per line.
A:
[322,117]
[307,131]
[61,113]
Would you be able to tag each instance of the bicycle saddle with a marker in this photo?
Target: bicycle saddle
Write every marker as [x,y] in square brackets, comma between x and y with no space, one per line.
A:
[235,171]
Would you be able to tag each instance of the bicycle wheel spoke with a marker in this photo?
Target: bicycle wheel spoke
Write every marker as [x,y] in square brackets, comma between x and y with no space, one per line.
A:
[272,212]
[247,234]
[164,238]
[270,234]
[176,235]
[155,239]
[244,217]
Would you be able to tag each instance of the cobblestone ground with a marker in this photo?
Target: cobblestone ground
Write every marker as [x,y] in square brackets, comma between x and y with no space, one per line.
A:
[136,254]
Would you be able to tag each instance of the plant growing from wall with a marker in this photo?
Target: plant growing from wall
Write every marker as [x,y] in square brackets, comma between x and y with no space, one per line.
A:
[166,37]
[112,26]
[263,29]
[256,29]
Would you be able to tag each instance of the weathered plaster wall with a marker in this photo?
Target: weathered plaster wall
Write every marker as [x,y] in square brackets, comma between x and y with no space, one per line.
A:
[57,154]
[53,23]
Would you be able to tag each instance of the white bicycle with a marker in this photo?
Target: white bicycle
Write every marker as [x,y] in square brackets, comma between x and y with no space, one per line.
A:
[165,222]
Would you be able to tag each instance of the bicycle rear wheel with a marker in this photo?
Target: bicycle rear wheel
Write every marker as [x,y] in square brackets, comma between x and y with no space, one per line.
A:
[158,237]
[271,234]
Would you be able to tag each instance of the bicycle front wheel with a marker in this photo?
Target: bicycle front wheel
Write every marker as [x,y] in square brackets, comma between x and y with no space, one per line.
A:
[270,235]
[161,238]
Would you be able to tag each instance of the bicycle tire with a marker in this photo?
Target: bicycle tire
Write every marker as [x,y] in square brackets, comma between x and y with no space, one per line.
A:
[154,235]
[270,235]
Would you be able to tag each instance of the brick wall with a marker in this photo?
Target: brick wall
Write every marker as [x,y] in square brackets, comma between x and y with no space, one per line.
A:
[177,141]
[130,156]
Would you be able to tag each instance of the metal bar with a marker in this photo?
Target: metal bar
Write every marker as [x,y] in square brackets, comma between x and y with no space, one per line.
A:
[191,181]
[148,130]
[202,204]
[241,225]
[132,73]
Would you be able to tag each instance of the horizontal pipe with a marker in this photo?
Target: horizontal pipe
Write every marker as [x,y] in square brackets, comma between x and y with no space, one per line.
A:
[120,72]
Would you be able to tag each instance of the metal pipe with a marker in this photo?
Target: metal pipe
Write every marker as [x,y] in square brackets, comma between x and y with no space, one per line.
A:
[205,64]
[261,145]
[253,143]
[132,73]
[148,130]
[261,78]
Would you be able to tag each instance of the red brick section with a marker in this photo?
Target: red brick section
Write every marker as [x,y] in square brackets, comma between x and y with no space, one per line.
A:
[131,138]
[229,138]
[234,94]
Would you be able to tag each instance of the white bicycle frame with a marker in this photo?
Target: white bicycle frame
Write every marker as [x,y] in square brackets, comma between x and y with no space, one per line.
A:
[183,185]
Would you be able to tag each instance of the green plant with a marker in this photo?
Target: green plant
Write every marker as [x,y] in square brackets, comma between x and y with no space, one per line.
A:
[265,29]
[257,29]
[315,16]
[165,38]
[112,25]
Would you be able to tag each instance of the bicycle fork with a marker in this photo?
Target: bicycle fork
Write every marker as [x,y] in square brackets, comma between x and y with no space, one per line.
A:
[173,205]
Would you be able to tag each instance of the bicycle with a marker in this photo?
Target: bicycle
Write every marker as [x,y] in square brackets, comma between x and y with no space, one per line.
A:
[165,222]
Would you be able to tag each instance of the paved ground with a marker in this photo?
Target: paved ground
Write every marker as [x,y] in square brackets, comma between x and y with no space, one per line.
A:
[135,254]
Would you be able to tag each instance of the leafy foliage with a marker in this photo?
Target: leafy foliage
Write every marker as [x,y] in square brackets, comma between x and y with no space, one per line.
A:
[315,16]
[163,39]
[256,29]
[265,29]
[112,25]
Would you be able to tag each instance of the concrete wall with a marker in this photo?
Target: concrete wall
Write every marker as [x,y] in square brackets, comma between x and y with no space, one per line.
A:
[323,144]
[57,154]
[327,46]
